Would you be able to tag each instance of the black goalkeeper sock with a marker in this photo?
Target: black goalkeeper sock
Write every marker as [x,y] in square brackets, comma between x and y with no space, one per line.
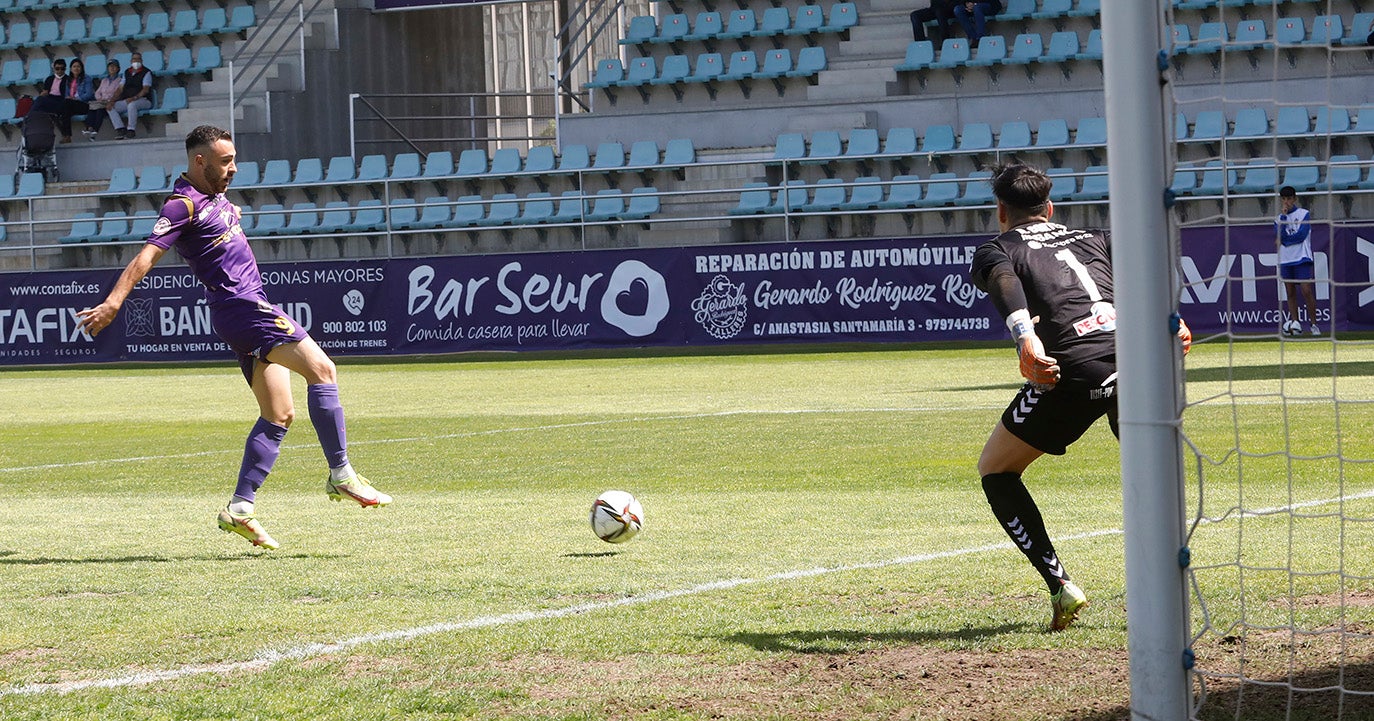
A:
[1020,518]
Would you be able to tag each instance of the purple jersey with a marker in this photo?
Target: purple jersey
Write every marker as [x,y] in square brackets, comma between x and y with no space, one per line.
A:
[205,231]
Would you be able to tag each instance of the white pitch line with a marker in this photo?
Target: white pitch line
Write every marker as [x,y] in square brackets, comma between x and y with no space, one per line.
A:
[490,432]
[268,657]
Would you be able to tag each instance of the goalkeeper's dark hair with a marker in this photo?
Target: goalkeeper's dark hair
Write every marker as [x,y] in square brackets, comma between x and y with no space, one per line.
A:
[1023,189]
[203,136]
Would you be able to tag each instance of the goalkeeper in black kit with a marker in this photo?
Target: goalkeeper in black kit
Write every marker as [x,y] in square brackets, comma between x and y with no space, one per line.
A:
[1053,285]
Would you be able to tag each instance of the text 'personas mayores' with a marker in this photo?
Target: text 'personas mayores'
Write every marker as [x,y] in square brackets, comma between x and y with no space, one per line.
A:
[924,255]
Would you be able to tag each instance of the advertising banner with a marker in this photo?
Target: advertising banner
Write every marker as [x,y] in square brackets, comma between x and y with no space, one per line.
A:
[872,291]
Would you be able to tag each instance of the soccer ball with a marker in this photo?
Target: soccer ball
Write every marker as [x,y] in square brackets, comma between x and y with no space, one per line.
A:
[616,517]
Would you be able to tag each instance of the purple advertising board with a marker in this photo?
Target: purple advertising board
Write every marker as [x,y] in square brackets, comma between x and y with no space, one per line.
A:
[872,291]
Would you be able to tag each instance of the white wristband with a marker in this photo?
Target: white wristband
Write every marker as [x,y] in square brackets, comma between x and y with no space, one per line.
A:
[1019,323]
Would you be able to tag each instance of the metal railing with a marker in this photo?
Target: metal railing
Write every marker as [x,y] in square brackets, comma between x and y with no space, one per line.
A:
[473,127]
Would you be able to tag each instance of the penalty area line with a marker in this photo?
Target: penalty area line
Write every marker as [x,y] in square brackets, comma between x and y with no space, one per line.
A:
[269,657]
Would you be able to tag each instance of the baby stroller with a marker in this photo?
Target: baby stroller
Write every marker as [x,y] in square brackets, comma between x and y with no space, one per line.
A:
[38,145]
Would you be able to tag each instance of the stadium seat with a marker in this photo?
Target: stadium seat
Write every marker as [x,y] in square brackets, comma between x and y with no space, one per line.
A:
[276,172]
[1092,132]
[207,58]
[641,29]
[991,50]
[341,169]
[1360,28]
[505,161]
[304,218]
[825,147]
[372,168]
[954,53]
[790,146]
[47,32]
[644,203]
[842,17]
[185,22]
[609,156]
[1052,133]
[1364,120]
[809,20]
[74,32]
[775,21]
[178,61]
[571,208]
[123,180]
[1303,173]
[741,24]
[672,29]
[538,208]
[1250,123]
[1017,10]
[1292,120]
[706,27]
[504,210]
[271,219]
[402,213]
[919,56]
[1215,179]
[155,25]
[1184,181]
[1180,38]
[1326,30]
[405,166]
[12,73]
[1063,184]
[540,159]
[438,212]
[863,144]
[643,154]
[977,189]
[810,61]
[975,136]
[1251,35]
[641,71]
[1290,31]
[153,179]
[944,189]
[777,63]
[335,217]
[1093,49]
[938,139]
[708,67]
[609,72]
[20,34]
[1209,125]
[241,18]
[370,216]
[743,65]
[170,101]
[249,175]
[1211,36]
[1261,176]
[792,198]
[1094,185]
[574,158]
[675,69]
[471,162]
[1015,135]
[141,226]
[900,141]
[1086,8]
[214,20]
[114,225]
[828,195]
[438,164]
[309,171]
[905,192]
[1029,48]
[866,193]
[1331,121]
[1343,172]
[609,204]
[84,228]
[1052,9]
[754,198]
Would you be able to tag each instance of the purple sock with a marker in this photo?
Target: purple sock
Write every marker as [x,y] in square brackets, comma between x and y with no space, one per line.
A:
[259,453]
[328,417]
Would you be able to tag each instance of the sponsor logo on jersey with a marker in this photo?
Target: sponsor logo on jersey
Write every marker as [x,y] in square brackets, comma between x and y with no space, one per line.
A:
[162,226]
[1103,318]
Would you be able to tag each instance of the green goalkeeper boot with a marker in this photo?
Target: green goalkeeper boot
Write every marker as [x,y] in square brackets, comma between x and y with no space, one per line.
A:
[1066,605]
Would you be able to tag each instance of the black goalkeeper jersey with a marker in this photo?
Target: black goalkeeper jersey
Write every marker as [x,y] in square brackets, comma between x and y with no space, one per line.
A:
[1067,277]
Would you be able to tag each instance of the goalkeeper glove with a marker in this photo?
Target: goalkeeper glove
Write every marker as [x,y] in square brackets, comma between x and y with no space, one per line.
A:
[1036,367]
[1185,335]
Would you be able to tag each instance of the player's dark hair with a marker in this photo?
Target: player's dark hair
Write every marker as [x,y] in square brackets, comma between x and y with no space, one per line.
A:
[1024,189]
[204,135]
[1288,191]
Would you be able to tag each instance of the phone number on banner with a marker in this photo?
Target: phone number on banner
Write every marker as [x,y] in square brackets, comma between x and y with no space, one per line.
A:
[981,323]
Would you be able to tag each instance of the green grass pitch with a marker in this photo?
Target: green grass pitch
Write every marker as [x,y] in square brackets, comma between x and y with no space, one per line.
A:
[816,542]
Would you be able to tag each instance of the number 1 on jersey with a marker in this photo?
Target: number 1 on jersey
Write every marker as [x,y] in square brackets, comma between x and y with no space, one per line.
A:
[1081,271]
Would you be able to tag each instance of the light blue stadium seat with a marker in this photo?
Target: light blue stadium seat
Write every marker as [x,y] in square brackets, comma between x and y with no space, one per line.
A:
[304,218]
[170,101]
[675,69]
[754,198]
[249,175]
[743,65]
[1290,31]
[644,203]
[504,210]
[1261,176]
[829,194]
[1094,185]
[954,53]
[1364,120]
[1015,135]
[1017,10]
[141,226]
[1092,132]
[505,161]
[73,32]
[1331,121]
[276,172]
[309,171]
[12,72]
[46,33]
[865,194]
[185,22]
[942,190]
[1327,30]
[991,50]
[643,154]
[1063,184]
[775,21]
[1210,37]
[271,219]
[1184,181]
[919,55]
[153,179]
[905,192]
[790,146]
[39,68]
[810,61]
[437,212]
[1215,179]
[1250,123]
[1086,8]
[672,29]
[341,169]
[8,107]
[241,18]
[1028,48]
[84,228]
[540,159]
[809,20]
[708,67]
[841,17]
[471,162]
[247,219]
[213,20]
[741,24]
[405,166]
[1250,35]
[152,59]
[123,180]
[335,217]
[438,164]
[824,148]
[1343,172]
[609,156]
[403,213]
[977,190]
[19,35]
[1292,120]
[207,58]
[609,72]
[1053,9]
[791,198]
[372,168]
[900,141]
[1360,28]
[1303,173]
[609,204]
[706,27]
[863,143]
[371,216]
[155,25]
[1209,125]
[114,225]
[976,136]
[574,157]
[938,139]
[679,152]
[1180,38]
[1092,50]
[538,208]
[571,208]
[178,61]
[641,71]
[126,27]
[641,29]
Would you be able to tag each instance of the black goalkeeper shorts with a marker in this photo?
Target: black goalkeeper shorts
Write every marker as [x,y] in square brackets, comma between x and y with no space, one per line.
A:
[1051,420]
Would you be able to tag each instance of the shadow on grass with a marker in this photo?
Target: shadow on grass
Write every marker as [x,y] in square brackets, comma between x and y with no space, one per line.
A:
[1342,369]
[836,642]
[248,556]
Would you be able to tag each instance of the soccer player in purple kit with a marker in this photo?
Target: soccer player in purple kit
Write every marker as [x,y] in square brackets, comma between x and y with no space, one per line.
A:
[204,228]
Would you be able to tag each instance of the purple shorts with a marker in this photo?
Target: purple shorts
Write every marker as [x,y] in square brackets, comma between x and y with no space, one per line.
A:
[1306,270]
[253,327]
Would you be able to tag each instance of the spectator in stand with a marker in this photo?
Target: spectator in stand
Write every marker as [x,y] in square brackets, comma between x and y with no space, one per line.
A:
[64,94]
[134,95]
[941,11]
[105,95]
[973,16]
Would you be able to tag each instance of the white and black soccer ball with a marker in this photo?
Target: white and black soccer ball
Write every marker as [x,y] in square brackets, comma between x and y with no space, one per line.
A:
[616,516]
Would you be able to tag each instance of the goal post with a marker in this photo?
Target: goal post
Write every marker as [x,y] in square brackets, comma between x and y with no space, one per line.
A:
[1145,256]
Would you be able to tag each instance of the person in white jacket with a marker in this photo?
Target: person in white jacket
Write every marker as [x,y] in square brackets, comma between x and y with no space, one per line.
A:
[1296,267]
